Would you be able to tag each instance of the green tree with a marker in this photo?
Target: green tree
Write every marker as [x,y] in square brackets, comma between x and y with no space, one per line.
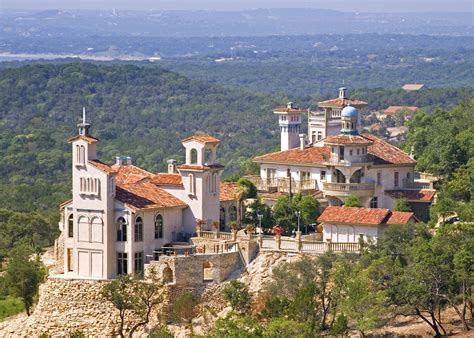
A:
[249,189]
[237,327]
[285,328]
[352,201]
[24,275]
[237,294]
[184,309]
[284,211]
[401,204]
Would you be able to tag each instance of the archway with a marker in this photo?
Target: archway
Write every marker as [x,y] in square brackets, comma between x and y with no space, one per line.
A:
[167,275]
[357,176]
[340,178]
[207,272]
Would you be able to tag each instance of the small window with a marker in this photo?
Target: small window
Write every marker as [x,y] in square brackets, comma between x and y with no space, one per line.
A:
[379,178]
[351,152]
[191,184]
[158,226]
[320,135]
[121,230]
[138,229]
[122,263]
[408,176]
[70,226]
[138,267]
[395,179]
[323,175]
[358,151]
[374,202]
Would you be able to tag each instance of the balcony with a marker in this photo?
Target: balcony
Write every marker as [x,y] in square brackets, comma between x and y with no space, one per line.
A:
[283,184]
[349,160]
[348,189]
[416,184]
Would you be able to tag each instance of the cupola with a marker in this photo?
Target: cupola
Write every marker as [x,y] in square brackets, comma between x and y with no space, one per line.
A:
[349,117]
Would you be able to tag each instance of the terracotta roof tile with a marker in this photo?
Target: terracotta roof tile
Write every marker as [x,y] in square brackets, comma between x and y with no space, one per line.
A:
[127,174]
[385,153]
[422,195]
[192,167]
[342,102]
[311,155]
[347,139]
[289,110]
[413,86]
[88,139]
[62,205]
[398,217]
[102,166]
[167,179]
[393,109]
[364,216]
[146,195]
[203,138]
[228,191]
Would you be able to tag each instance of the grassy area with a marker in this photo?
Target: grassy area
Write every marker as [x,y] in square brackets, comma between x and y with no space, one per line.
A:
[10,306]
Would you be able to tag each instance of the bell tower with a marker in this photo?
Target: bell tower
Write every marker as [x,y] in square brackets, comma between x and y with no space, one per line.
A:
[289,120]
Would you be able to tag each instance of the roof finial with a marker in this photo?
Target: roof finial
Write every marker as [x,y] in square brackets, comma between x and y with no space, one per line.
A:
[83,115]
[343,82]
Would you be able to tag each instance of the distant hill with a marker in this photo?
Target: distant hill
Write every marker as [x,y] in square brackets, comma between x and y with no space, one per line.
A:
[141,112]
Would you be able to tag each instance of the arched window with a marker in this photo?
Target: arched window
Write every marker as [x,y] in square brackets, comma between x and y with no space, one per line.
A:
[194,156]
[121,230]
[158,226]
[167,275]
[233,213]
[222,218]
[70,226]
[214,183]
[208,271]
[97,230]
[138,229]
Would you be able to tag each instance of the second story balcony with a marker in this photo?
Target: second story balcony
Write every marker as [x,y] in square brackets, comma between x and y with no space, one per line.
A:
[348,160]
[283,184]
[348,189]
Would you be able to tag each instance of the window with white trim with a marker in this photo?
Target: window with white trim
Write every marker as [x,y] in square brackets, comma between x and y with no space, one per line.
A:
[89,185]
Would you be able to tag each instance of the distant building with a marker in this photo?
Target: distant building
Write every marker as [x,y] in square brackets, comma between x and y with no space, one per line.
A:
[349,225]
[409,87]
[392,110]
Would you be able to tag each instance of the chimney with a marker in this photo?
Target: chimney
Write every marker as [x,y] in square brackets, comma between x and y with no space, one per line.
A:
[123,160]
[302,141]
[290,105]
[172,166]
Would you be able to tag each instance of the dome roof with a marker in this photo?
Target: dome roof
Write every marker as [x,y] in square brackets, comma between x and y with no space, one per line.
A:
[349,111]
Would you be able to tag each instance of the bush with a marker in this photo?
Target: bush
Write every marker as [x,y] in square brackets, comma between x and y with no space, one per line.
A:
[237,294]
[340,325]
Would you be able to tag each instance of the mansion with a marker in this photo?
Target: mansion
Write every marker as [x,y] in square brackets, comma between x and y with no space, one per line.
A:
[336,161]
[121,216]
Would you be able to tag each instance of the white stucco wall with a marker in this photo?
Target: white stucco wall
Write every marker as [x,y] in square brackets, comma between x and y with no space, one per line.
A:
[338,233]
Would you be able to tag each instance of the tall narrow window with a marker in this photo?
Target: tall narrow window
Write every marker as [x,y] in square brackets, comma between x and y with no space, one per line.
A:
[70,226]
[395,179]
[323,175]
[121,230]
[138,257]
[158,226]
[379,178]
[69,260]
[341,153]
[138,229]
[374,202]
[191,184]
[122,263]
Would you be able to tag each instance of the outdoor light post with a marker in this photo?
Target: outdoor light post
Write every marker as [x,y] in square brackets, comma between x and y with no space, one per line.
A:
[298,214]
[260,217]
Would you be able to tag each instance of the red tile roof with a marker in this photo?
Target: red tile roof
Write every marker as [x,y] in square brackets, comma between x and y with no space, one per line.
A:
[203,138]
[102,166]
[364,216]
[289,110]
[192,167]
[342,103]
[385,153]
[62,205]
[167,179]
[422,195]
[399,217]
[381,153]
[229,191]
[311,155]
[347,139]
[146,195]
[413,86]
[128,174]
[88,139]
[393,109]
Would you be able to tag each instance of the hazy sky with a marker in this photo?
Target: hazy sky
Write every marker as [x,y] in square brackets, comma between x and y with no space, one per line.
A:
[343,5]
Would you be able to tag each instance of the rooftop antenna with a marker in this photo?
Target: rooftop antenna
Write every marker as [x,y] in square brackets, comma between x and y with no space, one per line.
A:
[83,115]
[343,82]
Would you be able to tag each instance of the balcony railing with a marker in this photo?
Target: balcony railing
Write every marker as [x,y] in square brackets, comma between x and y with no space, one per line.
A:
[348,160]
[346,189]
[283,184]
[412,184]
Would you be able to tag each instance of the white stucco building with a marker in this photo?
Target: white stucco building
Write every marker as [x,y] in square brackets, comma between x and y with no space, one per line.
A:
[341,162]
[119,215]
